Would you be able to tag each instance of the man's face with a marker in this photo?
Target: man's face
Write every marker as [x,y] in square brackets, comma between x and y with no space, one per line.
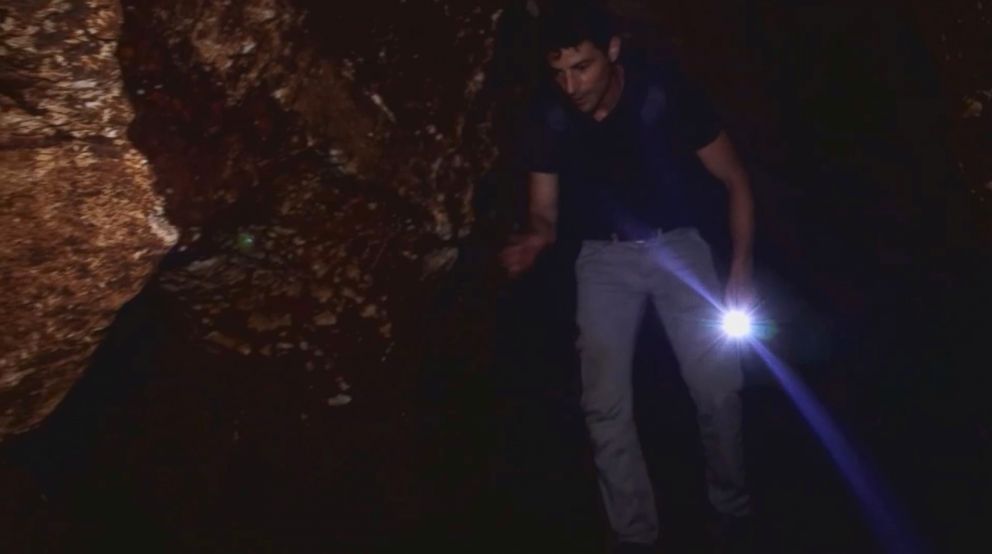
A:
[583,72]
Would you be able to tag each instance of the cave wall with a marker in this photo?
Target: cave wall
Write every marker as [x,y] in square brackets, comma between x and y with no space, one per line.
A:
[321,172]
[315,175]
[958,35]
[81,225]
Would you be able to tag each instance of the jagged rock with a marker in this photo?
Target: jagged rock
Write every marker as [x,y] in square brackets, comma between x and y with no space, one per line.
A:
[321,171]
[312,182]
[81,227]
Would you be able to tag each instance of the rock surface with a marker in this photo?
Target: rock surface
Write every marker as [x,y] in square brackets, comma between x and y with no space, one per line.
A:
[319,177]
[81,226]
[321,172]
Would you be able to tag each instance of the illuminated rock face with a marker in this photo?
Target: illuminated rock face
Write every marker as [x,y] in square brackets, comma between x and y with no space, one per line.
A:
[318,170]
[321,166]
[81,226]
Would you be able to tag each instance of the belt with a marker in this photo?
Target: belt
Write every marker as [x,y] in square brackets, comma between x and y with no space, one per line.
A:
[642,235]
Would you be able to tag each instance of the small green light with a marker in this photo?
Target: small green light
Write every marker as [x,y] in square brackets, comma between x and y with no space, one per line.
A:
[245,241]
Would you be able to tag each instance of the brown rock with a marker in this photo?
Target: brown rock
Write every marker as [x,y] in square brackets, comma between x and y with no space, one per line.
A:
[321,170]
[80,226]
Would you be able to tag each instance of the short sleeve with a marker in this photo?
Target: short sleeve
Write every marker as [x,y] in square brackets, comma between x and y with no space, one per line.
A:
[694,122]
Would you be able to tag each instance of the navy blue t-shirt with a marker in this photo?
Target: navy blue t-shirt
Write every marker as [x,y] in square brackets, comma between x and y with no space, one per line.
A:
[637,169]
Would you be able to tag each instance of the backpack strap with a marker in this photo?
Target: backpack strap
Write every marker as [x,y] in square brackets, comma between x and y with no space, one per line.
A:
[655,102]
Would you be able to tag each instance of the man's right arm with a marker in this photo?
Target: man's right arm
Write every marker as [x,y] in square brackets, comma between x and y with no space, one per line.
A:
[544,206]
[523,250]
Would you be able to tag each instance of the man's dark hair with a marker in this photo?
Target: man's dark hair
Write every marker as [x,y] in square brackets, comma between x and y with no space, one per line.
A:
[568,23]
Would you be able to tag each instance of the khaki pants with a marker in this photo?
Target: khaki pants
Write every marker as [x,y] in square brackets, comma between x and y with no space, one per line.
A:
[615,280]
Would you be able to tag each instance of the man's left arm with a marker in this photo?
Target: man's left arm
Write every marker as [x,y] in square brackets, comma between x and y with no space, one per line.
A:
[720,159]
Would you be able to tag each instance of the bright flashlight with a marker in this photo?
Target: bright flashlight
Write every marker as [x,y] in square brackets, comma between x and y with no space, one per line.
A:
[737,324]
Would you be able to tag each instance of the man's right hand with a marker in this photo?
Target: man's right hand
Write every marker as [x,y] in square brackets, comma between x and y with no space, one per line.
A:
[523,250]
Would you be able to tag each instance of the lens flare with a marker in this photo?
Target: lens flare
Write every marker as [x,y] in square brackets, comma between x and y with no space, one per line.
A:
[737,324]
[889,524]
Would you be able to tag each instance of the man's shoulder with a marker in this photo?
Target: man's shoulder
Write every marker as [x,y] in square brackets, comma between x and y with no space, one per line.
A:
[657,73]
[668,92]
[647,95]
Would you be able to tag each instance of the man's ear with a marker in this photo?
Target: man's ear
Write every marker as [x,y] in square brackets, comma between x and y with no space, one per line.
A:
[614,50]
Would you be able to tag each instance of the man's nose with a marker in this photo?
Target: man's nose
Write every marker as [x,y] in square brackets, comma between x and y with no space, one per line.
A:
[569,84]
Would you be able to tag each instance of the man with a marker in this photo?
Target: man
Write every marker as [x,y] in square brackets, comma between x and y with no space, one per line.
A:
[620,155]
